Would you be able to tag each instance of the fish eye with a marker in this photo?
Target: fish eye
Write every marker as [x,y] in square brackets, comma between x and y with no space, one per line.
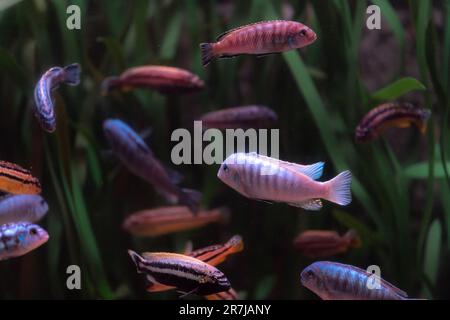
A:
[310,274]
[302,32]
[42,202]
[33,231]
[225,168]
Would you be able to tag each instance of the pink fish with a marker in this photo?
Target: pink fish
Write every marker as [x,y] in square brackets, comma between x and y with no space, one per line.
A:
[264,178]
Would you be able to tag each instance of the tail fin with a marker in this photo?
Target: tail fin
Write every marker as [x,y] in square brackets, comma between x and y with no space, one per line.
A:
[207,53]
[108,84]
[72,74]
[339,188]
[191,199]
[353,238]
[137,260]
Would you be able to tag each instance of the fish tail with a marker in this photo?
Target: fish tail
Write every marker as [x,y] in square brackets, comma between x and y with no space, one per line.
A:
[108,84]
[191,199]
[137,259]
[72,74]
[207,53]
[353,238]
[339,188]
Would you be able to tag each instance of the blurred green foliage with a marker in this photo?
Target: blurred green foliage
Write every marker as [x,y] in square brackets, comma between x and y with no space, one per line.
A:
[317,92]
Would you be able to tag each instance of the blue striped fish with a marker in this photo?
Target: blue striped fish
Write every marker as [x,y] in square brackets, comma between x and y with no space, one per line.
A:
[50,80]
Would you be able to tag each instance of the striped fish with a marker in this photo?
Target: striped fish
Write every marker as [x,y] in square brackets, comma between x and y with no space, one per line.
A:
[226,295]
[23,207]
[325,243]
[166,220]
[17,239]
[392,114]
[337,281]
[240,117]
[264,178]
[134,153]
[260,38]
[166,80]
[50,80]
[187,274]
[17,180]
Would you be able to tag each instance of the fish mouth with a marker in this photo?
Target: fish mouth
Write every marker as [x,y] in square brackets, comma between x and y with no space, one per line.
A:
[312,37]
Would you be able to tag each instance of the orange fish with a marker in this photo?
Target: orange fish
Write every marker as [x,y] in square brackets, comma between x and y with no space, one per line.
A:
[324,243]
[166,220]
[166,80]
[392,114]
[225,295]
[240,117]
[260,38]
[17,180]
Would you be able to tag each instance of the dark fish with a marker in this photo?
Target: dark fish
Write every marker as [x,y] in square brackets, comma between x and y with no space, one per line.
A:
[392,114]
[17,180]
[337,281]
[17,239]
[43,109]
[166,80]
[240,117]
[260,38]
[188,274]
[137,157]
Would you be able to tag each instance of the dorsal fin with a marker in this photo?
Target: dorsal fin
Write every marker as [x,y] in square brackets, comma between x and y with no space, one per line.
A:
[221,36]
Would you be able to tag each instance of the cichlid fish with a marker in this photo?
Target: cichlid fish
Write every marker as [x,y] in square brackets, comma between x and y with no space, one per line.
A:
[166,80]
[216,254]
[324,243]
[17,180]
[392,114]
[337,281]
[226,295]
[134,153]
[187,274]
[166,220]
[17,239]
[240,117]
[264,178]
[22,208]
[260,38]
[43,109]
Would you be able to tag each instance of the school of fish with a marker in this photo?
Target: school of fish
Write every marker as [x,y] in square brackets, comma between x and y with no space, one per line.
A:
[254,176]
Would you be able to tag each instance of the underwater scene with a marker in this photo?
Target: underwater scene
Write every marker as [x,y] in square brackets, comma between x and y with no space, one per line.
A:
[224,150]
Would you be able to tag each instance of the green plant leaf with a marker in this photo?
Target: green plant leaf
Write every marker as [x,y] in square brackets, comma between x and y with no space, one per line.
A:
[421,170]
[397,89]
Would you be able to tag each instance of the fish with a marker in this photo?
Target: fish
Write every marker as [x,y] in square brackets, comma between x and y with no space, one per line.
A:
[268,179]
[225,295]
[216,254]
[337,281]
[18,239]
[50,80]
[22,208]
[391,114]
[260,38]
[134,153]
[165,80]
[240,117]
[17,180]
[212,255]
[324,243]
[166,220]
[187,274]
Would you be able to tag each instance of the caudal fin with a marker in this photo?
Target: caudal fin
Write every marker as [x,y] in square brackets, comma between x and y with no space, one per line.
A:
[137,259]
[72,74]
[207,53]
[191,199]
[339,188]
[108,84]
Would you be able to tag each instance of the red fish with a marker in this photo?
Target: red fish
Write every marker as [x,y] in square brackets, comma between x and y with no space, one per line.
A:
[392,114]
[240,117]
[324,243]
[260,38]
[166,80]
